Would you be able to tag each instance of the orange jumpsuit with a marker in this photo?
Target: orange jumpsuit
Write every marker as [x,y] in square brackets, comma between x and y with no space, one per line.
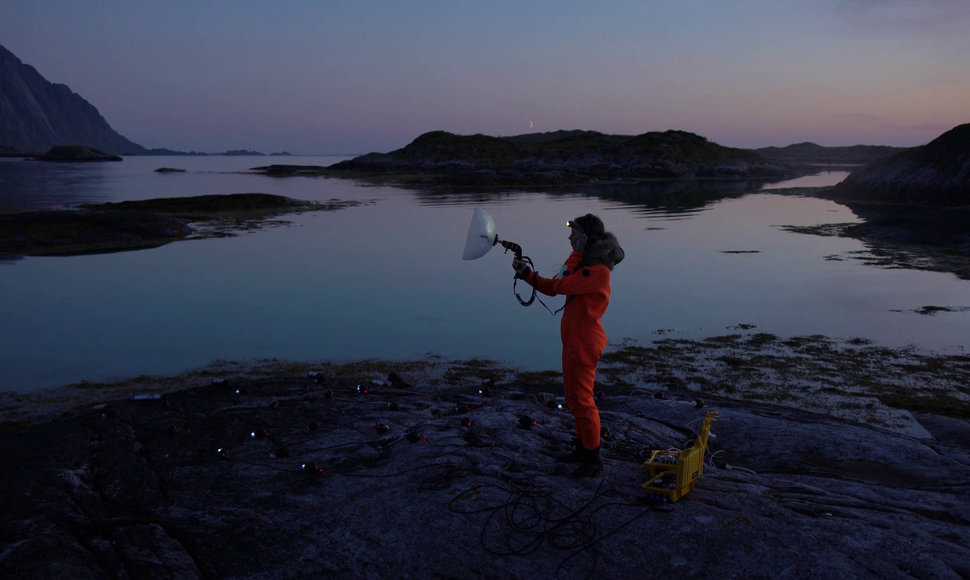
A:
[587,291]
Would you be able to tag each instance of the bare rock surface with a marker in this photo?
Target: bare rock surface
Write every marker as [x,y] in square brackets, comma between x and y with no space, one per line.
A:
[347,473]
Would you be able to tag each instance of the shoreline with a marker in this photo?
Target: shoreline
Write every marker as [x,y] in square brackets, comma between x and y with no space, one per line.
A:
[850,380]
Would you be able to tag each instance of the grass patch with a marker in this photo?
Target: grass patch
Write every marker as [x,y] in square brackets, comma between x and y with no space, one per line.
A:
[540,377]
[734,361]
[761,339]
[698,380]
[480,369]
[628,355]
[939,404]
[724,339]
[372,367]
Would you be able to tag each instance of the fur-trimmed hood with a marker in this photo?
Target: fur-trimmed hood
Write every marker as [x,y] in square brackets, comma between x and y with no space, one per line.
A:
[604,250]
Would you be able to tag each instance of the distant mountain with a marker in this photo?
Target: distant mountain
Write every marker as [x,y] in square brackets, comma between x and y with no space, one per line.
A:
[937,173]
[562,157]
[810,153]
[36,115]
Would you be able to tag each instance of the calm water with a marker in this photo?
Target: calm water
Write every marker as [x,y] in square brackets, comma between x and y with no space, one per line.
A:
[385,279]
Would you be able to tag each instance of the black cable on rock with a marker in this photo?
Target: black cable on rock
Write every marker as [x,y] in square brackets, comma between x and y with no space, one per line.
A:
[531,517]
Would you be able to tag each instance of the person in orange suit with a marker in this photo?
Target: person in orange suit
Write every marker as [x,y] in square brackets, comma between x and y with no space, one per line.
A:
[585,281]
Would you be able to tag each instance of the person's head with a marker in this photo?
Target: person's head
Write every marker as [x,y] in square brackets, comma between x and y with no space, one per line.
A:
[585,230]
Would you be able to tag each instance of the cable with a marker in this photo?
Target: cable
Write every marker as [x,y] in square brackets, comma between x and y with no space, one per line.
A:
[531,516]
[532,297]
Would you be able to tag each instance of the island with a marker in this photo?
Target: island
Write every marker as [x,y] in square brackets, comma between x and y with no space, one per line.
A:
[134,225]
[554,158]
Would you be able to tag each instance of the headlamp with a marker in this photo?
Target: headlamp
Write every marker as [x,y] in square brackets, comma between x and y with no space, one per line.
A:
[575,226]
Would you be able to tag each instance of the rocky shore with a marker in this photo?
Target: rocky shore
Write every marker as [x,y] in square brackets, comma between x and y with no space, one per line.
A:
[827,458]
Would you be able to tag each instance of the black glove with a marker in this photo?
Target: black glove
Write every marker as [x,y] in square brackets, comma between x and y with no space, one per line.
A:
[522,269]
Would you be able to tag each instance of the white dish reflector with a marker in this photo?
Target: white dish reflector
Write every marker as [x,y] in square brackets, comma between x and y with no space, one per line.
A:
[481,235]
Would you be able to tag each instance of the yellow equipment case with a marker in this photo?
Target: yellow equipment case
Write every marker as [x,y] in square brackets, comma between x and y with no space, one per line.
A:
[674,471]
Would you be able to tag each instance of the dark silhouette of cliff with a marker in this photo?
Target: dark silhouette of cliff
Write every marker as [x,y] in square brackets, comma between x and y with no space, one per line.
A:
[36,115]
[937,173]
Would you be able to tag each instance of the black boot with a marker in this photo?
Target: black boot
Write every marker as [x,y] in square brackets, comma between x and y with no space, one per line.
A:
[590,464]
[574,456]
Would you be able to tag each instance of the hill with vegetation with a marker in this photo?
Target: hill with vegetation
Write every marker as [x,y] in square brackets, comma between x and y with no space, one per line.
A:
[812,154]
[562,157]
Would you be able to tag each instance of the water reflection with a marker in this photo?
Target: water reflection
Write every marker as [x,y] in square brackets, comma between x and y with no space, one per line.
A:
[672,199]
[820,179]
[26,184]
[439,197]
[660,197]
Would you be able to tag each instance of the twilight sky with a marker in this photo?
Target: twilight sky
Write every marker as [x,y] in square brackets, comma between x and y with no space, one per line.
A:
[335,76]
